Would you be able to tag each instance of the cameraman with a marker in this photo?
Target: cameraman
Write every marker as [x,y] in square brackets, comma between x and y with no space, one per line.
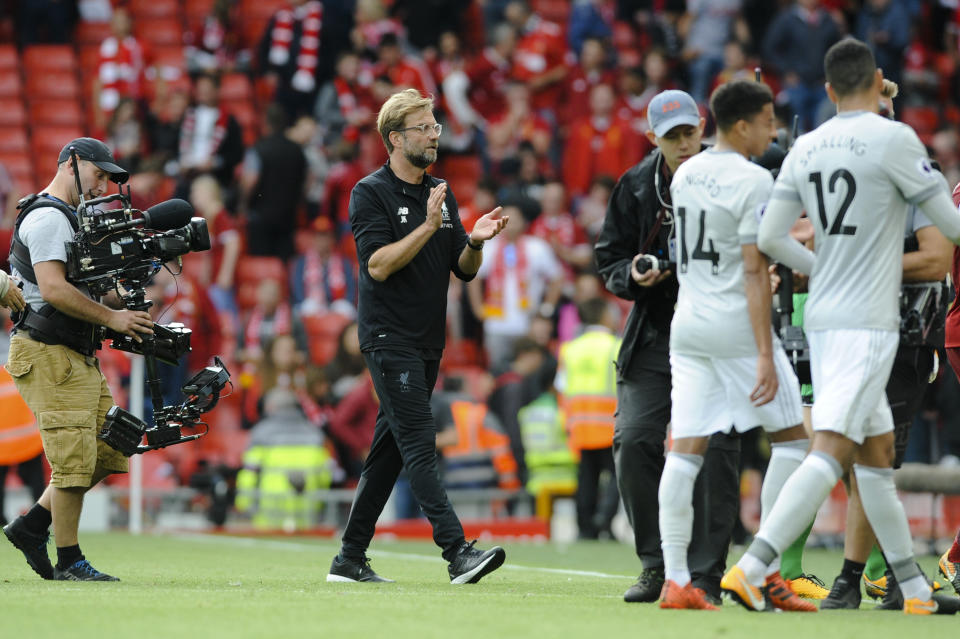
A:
[639,221]
[53,364]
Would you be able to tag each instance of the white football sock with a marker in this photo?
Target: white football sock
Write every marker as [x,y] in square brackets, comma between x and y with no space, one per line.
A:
[889,521]
[676,513]
[785,458]
[797,505]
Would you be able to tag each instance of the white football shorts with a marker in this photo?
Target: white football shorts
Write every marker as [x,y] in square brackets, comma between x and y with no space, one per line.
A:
[711,394]
[850,369]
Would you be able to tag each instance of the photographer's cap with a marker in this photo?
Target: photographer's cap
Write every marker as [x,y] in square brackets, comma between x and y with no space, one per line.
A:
[95,151]
[671,108]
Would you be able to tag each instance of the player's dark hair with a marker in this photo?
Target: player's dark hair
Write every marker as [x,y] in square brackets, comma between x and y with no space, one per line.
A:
[849,67]
[738,100]
[591,310]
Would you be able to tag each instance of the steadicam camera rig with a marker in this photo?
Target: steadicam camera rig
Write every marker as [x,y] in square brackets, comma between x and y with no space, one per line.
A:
[115,250]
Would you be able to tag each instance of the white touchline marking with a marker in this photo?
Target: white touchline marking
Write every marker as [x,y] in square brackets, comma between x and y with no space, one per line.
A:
[293,545]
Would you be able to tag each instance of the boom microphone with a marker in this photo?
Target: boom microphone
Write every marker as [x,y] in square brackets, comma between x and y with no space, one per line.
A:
[165,216]
[168,215]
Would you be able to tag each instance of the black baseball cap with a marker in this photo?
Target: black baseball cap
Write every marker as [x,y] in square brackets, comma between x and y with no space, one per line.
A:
[97,152]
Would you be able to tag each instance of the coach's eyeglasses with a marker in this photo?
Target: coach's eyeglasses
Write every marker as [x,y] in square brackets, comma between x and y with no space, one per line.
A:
[423,128]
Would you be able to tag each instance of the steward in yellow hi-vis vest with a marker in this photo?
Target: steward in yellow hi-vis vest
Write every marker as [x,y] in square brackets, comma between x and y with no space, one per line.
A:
[285,465]
[586,386]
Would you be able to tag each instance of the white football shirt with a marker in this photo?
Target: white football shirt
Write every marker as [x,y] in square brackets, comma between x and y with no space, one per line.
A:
[855,176]
[718,197]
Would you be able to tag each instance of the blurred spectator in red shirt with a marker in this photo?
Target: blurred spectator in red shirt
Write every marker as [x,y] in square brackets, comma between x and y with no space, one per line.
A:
[540,57]
[519,123]
[121,69]
[342,177]
[321,279]
[404,71]
[598,144]
[217,45]
[269,318]
[345,106]
[592,209]
[591,71]
[125,135]
[488,73]
[561,231]
[352,423]
[226,242]
[371,23]
[210,138]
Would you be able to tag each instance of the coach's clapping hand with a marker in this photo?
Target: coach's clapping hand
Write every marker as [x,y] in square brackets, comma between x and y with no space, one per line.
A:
[766,387]
[650,278]
[132,323]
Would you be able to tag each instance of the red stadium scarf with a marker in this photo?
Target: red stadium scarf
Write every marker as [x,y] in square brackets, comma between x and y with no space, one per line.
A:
[496,283]
[314,270]
[311,14]
[121,65]
[188,129]
[282,325]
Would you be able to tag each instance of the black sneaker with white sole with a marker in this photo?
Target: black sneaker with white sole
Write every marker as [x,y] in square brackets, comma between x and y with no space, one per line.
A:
[81,571]
[33,547]
[844,595]
[350,570]
[471,564]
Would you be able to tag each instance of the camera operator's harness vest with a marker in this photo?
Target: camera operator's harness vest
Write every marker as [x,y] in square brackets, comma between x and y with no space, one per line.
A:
[48,325]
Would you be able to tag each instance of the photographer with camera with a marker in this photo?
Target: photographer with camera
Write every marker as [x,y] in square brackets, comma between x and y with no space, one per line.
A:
[53,363]
[639,225]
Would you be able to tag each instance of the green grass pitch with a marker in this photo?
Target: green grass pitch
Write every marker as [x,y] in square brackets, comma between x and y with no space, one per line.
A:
[215,586]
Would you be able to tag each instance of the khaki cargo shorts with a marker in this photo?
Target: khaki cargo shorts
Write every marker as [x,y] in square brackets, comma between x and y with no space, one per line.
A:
[69,397]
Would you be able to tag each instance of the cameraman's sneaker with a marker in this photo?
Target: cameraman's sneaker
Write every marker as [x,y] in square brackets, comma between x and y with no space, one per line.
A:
[471,564]
[33,547]
[81,571]
[648,587]
[348,570]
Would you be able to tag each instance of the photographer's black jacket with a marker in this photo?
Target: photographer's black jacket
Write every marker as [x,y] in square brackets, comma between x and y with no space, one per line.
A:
[631,216]
[409,308]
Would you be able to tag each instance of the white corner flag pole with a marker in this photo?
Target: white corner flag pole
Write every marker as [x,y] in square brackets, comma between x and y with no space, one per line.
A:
[136,462]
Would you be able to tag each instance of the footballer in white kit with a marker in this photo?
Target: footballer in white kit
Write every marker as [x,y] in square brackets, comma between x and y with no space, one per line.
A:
[855,176]
[726,363]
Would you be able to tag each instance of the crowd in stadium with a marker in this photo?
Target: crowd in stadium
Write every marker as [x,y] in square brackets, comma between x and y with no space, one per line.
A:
[262,114]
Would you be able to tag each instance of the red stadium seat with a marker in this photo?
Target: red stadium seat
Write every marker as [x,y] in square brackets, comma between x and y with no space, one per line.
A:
[253,270]
[44,111]
[195,12]
[40,58]
[53,84]
[323,333]
[143,10]
[12,112]
[19,166]
[9,59]
[460,353]
[924,120]
[557,11]
[462,173]
[46,142]
[10,85]
[91,33]
[159,32]
[14,140]
[236,87]
[170,62]
[247,117]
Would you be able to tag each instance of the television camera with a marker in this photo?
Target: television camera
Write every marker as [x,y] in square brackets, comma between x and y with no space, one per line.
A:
[120,249]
